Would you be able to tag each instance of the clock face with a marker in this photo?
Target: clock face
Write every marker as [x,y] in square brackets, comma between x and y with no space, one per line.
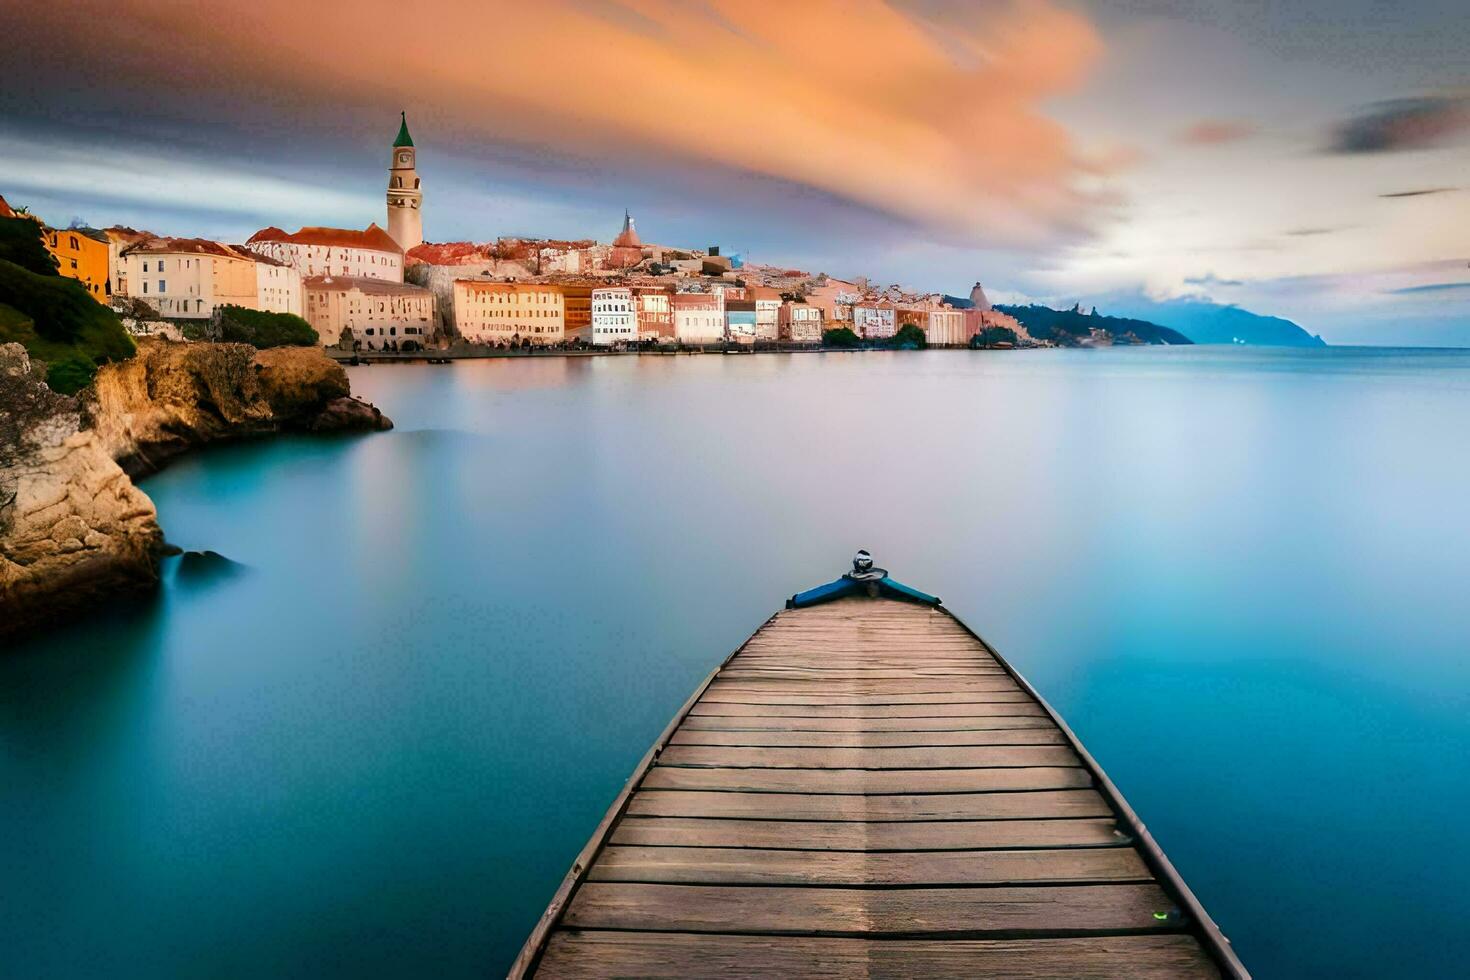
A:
[403,158]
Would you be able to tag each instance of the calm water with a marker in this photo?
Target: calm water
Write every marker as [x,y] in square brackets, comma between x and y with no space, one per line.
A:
[375,748]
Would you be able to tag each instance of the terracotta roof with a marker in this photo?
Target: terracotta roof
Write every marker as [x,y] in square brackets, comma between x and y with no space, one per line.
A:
[695,300]
[6,211]
[373,237]
[257,257]
[193,246]
[365,284]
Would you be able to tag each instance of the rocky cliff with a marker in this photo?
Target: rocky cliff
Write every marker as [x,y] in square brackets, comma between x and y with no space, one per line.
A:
[73,528]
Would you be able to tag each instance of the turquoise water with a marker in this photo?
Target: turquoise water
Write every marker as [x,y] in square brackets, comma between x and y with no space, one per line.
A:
[375,747]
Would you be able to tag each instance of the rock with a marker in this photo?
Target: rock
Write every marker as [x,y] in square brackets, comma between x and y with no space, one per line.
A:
[172,397]
[206,566]
[73,528]
[348,414]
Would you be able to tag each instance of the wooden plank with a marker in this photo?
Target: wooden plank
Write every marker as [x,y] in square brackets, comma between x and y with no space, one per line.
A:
[974,709]
[944,757]
[861,686]
[1008,693]
[756,866]
[850,674]
[902,781]
[1038,734]
[956,724]
[942,835]
[811,806]
[975,912]
[586,955]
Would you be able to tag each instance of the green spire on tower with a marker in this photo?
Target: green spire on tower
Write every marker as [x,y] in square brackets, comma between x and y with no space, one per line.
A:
[403,138]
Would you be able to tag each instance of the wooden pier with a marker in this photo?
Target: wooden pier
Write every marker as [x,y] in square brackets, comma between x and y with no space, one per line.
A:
[864,789]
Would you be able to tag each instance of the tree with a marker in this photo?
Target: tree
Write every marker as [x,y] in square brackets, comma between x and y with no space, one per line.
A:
[261,329]
[910,337]
[989,336]
[840,337]
[23,242]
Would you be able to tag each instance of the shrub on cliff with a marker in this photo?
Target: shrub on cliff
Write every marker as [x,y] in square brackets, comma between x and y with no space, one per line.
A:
[261,329]
[21,242]
[58,322]
[840,337]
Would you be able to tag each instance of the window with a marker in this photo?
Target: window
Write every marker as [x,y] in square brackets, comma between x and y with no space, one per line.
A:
[162,286]
[160,265]
[145,285]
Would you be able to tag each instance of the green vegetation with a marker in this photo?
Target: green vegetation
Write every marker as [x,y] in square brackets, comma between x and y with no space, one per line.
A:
[55,318]
[261,329]
[21,243]
[909,337]
[1069,327]
[990,336]
[840,337]
[70,364]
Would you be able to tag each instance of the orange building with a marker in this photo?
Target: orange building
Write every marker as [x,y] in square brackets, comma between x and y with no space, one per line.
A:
[82,254]
[577,310]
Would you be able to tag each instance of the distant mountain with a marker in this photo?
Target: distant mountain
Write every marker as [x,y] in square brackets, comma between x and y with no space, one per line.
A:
[1073,328]
[1205,322]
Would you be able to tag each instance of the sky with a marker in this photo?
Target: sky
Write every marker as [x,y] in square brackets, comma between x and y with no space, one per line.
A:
[1305,160]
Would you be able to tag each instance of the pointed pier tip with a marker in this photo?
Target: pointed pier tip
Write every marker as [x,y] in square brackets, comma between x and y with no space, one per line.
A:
[864,579]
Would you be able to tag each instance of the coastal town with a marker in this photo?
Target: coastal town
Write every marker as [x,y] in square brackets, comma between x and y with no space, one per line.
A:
[384,290]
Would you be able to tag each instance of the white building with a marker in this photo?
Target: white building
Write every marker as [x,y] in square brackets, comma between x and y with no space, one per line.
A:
[699,318]
[873,320]
[371,254]
[946,328]
[801,323]
[186,278]
[767,312]
[614,319]
[277,286]
[379,314]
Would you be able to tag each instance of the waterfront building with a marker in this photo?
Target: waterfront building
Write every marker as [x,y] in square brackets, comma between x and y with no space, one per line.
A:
[188,277]
[509,312]
[119,239]
[946,328]
[835,298]
[874,320]
[614,320]
[82,254]
[655,315]
[378,313]
[405,199]
[277,285]
[767,311]
[577,310]
[740,322]
[699,318]
[316,251]
[801,323]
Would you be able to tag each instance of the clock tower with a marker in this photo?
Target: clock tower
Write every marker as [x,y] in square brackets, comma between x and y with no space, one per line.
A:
[405,220]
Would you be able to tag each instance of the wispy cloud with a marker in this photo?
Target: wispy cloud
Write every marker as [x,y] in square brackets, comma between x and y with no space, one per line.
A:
[1403,124]
[1310,232]
[1210,279]
[1421,193]
[1434,287]
[1213,132]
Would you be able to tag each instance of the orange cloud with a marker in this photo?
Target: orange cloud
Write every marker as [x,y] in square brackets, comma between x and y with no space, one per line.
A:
[935,119]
